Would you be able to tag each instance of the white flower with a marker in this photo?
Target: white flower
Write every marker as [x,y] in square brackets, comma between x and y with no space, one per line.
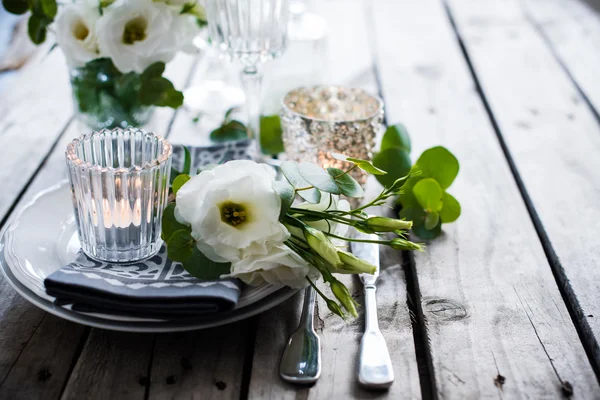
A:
[233,211]
[280,266]
[76,33]
[138,33]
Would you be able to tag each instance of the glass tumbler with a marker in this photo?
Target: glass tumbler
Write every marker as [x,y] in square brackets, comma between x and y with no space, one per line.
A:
[119,183]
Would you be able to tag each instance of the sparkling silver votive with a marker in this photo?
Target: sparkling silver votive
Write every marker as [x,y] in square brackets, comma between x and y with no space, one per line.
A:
[321,120]
[119,182]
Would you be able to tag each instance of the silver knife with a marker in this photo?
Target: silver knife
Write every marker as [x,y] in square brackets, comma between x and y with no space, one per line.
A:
[375,366]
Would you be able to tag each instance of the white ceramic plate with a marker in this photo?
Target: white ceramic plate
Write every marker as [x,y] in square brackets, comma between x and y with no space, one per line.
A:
[43,238]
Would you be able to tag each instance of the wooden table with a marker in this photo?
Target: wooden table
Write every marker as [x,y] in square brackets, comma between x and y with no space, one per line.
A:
[505,304]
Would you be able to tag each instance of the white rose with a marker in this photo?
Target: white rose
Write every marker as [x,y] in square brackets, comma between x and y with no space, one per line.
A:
[233,211]
[76,33]
[280,266]
[138,33]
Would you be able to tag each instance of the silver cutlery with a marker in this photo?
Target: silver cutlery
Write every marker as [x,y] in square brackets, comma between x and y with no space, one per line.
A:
[375,366]
[301,360]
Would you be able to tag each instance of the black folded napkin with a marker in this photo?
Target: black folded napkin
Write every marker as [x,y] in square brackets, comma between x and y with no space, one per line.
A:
[154,288]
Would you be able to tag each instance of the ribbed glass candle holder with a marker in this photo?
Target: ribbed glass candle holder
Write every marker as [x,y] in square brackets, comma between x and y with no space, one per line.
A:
[119,182]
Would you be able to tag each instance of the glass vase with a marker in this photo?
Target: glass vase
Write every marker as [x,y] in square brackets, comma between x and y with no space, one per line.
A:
[106,98]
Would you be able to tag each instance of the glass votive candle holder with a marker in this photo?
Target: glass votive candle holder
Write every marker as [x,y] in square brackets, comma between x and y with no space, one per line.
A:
[119,183]
[320,120]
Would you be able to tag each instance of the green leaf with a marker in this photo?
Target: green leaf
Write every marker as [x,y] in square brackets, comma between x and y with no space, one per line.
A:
[49,8]
[232,130]
[204,268]
[395,161]
[429,194]
[270,134]
[187,161]
[170,225]
[346,183]
[160,92]
[407,197]
[36,27]
[431,220]
[450,209]
[16,6]
[154,71]
[286,193]
[396,137]
[179,182]
[440,164]
[291,173]
[417,216]
[367,166]
[318,177]
[180,245]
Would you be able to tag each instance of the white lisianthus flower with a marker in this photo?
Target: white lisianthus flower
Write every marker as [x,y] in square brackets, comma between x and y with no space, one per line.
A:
[281,266]
[138,33]
[76,33]
[233,211]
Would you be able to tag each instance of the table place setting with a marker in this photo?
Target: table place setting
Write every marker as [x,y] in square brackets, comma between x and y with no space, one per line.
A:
[149,236]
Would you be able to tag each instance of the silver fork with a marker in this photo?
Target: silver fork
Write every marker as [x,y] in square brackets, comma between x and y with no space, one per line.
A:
[301,359]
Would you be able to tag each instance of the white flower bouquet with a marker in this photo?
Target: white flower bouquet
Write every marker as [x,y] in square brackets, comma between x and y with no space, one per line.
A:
[237,220]
[117,51]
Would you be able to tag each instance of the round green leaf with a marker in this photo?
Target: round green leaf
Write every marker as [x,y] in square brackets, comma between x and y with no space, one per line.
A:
[407,197]
[233,130]
[49,7]
[450,209]
[438,163]
[286,193]
[429,194]
[270,134]
[15,6]
[396,137]
[36,27]
[180,245]
[154,70]
[318,177]
[431,220]
[393,160]
[204,268]
[346,183]
[170,225]
[179,182]
[291,173]
[417,216]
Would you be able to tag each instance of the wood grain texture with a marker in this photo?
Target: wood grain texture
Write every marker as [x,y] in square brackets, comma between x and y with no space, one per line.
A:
[497,325]
[572,29]
[559,142]
[205,364]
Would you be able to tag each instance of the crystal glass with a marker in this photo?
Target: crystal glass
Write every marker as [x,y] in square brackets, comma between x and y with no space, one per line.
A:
[119,182]
[305,25]
[252,32]
[320,120]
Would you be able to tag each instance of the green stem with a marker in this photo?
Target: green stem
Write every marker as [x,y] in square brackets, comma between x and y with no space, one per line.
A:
[386,242]
[323,215]
[344,173]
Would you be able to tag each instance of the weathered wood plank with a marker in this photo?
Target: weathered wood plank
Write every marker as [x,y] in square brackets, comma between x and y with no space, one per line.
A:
[559,142]
[347,61]
[204,364]
[496,322]
[572,28]
[35,109]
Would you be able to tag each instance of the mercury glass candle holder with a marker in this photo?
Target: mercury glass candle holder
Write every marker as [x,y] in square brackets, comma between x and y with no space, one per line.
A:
[119,182]
[321,120]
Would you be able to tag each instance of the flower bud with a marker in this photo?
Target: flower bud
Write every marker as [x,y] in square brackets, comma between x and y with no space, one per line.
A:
[403,244]
[341,293]
[354,265]
[383,224]
[335,308]
[322,246]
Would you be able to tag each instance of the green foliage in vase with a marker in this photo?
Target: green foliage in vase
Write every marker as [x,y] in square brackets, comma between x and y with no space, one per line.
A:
[100,89]
[423,198]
